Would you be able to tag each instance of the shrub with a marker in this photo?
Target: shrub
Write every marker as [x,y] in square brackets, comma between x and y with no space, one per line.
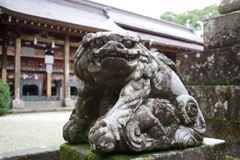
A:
[4,97]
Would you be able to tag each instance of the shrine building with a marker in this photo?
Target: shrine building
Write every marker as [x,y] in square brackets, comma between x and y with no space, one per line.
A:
[38,40]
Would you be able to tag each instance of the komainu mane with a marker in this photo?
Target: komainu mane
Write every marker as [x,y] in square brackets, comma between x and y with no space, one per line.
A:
[132,99]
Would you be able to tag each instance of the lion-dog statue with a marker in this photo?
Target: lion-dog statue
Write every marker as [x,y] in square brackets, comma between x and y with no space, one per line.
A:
[132,99]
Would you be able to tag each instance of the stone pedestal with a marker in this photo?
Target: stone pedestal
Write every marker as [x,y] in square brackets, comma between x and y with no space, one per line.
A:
[213,75]
[67,102]
[222,31]
[210,67]
[219,105]
[213,149]
[18,104]
[228,6]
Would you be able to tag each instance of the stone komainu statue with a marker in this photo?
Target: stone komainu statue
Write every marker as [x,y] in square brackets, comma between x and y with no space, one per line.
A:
[132,99]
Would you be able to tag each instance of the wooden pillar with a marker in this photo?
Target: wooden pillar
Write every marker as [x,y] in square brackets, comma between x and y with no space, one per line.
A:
[4,59]
[17,103]
[66,66]
[17,67]
[67,100]
[49,85]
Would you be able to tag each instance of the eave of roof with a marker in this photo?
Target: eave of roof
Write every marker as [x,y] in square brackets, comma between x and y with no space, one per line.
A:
[163,41]
[150,25]
[85,14]
[61,12]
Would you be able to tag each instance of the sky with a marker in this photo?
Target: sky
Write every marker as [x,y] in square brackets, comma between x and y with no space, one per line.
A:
[154,8]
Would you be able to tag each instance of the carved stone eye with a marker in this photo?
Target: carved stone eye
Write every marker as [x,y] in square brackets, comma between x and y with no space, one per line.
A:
[99,43]
[127,43]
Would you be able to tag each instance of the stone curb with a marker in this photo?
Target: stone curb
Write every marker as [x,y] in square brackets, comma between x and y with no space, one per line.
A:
[39,153]
[52,152]
[41,110]
[212,149]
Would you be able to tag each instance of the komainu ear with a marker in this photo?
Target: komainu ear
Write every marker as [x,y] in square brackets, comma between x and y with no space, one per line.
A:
[87,39]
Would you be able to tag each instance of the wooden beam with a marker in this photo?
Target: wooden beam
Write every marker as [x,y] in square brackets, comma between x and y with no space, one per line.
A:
[170,49]
[55,28]
[46,40]
[17,66]
[49,85]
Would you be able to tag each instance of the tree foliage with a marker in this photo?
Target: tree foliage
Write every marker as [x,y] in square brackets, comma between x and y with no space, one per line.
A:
[192,19]
[4,97]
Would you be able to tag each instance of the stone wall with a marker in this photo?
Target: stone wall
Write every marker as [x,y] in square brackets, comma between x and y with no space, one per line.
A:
[213,77]
[218,98]
[219,105]
[222,31]
[216,66]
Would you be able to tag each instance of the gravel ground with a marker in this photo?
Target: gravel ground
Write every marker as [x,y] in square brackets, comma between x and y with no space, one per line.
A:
[27,130]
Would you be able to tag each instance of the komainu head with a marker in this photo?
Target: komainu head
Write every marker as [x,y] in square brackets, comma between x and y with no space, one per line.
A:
[105,55]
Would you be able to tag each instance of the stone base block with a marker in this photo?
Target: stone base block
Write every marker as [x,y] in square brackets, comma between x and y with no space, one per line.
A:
[17,104]
[212,149]
[211,67]
[38,153]
[213,100]
[220,107]
[227,130]
[218,102]
[68,102]
[228,6]
[222,31]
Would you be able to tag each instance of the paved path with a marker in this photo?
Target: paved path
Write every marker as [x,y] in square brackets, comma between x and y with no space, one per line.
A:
[27,130]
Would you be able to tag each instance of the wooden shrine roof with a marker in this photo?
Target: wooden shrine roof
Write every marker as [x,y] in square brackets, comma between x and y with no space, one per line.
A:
[99,17]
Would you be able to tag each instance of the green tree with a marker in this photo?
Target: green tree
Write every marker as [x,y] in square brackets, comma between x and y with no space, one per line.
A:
[192,19]
[4,97]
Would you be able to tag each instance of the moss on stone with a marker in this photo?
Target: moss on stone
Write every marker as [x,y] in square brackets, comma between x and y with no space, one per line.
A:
[222,83]
[228,99]
[66,153]
[225,120]
[93,156]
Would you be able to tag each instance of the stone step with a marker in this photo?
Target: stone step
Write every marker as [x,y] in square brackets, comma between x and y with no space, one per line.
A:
[222,31]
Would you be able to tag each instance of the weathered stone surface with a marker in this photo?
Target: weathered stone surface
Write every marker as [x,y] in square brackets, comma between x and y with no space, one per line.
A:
[234,108]
[222,31]
[213,100]
[17,104]
[38,153]
[218,66]
[212,149]
[220,106]
[228,6]
[67,102]
[132,100]
[229,131]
